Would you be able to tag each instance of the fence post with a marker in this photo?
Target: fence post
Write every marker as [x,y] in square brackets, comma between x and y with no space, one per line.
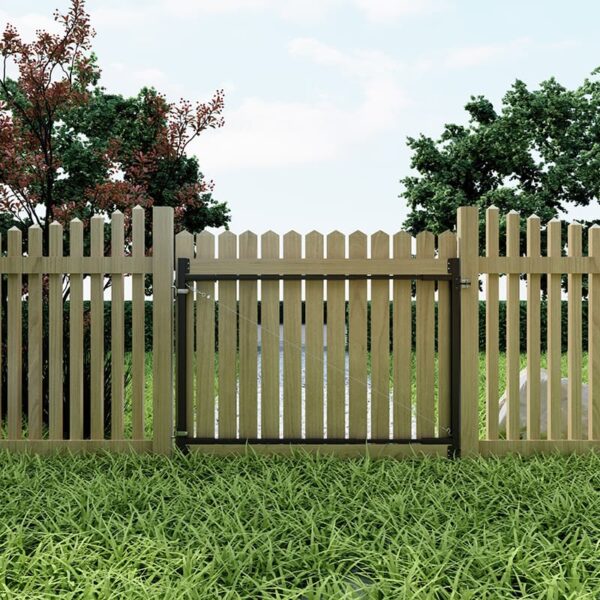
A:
[468,253]
[163,244]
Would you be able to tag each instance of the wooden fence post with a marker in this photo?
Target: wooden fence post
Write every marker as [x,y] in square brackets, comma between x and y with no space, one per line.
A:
[468,252]
[163,244]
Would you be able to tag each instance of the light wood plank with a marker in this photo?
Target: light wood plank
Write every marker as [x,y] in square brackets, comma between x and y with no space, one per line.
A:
[554,343]
[513,400]
[336,341]
[227,343]
[14,358]
[55,334]
[380,343]
[327,266]
[402,343]
[53,447]
[248,344]
[97,333]
[292,323]
[184,248]
[314,343]
[357,343]
[76,334]
[269,341]
[34,339]
[138,319]
[163,245]
[539,265]
[594,339]
[446,249]
[468,252]
[575,338]
[425,344]
[533,333]
[205,343]
[492,325]
[532,447]
[117,330]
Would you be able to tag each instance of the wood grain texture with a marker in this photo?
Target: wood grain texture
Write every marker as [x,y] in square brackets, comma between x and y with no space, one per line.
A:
[492,325]
[402,343]
[76,334]
[227,343]
[314,343]
[553,231]
[336,341]
[533,333]
[425,344]
[163,245]
[380,343]
[205,343]
[248,344]
[14,358]
[270,392]
[574,426]
[97,333]
[138,318]
[117,330]
[34,339]
[468,252]
[594,339]
[55,334]
[513,400]
[357,343]
[292,340]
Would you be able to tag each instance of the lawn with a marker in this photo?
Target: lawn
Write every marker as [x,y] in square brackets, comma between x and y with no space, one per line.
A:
[203,527]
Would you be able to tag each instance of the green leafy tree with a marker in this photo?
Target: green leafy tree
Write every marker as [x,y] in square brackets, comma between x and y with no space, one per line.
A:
[540,153]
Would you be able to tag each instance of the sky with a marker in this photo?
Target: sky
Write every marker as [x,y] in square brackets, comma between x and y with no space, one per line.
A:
[321,94]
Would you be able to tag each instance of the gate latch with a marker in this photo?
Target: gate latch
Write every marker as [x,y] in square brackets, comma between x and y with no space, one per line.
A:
[465,283]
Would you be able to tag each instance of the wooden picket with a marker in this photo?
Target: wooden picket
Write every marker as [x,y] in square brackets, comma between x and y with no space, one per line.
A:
[325,391]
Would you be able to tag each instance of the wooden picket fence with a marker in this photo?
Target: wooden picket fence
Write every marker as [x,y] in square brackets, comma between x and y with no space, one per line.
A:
[236,391]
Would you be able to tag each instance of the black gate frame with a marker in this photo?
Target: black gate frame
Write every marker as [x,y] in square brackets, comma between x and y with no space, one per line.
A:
[183,276]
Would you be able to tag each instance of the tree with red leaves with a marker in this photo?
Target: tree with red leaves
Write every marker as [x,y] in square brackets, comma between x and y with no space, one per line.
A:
[68,149]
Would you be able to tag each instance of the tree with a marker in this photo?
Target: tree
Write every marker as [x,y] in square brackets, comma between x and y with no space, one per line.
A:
[70,149]
[539,154]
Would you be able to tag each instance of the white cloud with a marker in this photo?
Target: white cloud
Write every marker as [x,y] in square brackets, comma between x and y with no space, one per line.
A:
[386,10]
[263,133]
[472,56]
[27,24]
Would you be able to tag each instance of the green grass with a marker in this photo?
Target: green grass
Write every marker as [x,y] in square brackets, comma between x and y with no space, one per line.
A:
[131,527]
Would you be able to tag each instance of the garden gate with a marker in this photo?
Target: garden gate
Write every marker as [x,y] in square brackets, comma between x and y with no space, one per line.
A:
[326,419]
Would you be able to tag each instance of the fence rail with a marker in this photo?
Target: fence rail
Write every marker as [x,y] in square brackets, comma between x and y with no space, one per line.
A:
[342,367]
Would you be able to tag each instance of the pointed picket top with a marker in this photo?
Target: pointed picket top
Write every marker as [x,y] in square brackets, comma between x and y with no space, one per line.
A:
[493,207]
[117,213]
[357,245]
[447,244]
[56,238]
[14,241]
[269,244]
[336,244]
[402,243]
[314,244]
[380,244]
[594,240]
[533,217]
[184,245]
[513,212]
[292,235]
[227,242]
[248,244]
[425,244]
[205,245]
[34,227]
[138,207]
[358,235]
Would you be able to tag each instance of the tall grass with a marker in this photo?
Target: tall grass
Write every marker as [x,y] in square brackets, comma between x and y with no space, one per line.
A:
[107,526]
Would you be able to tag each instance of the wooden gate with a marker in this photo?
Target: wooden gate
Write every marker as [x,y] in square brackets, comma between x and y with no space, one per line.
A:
[321,397]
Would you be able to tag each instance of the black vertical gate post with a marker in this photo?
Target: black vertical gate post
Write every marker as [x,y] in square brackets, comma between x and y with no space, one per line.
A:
[455,350]
[182,290]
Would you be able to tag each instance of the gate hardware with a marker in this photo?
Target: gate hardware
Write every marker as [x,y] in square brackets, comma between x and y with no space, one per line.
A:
[183,275]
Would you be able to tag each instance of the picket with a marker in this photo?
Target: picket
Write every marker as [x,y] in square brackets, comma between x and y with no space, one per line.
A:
[533,332]
[512,330]
[34,339]
[76,333]
[336,339]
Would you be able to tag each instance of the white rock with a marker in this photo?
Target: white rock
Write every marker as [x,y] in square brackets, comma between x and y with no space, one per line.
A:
[544,405]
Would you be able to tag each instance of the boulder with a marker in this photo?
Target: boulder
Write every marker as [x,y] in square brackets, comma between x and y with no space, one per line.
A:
[544,405]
